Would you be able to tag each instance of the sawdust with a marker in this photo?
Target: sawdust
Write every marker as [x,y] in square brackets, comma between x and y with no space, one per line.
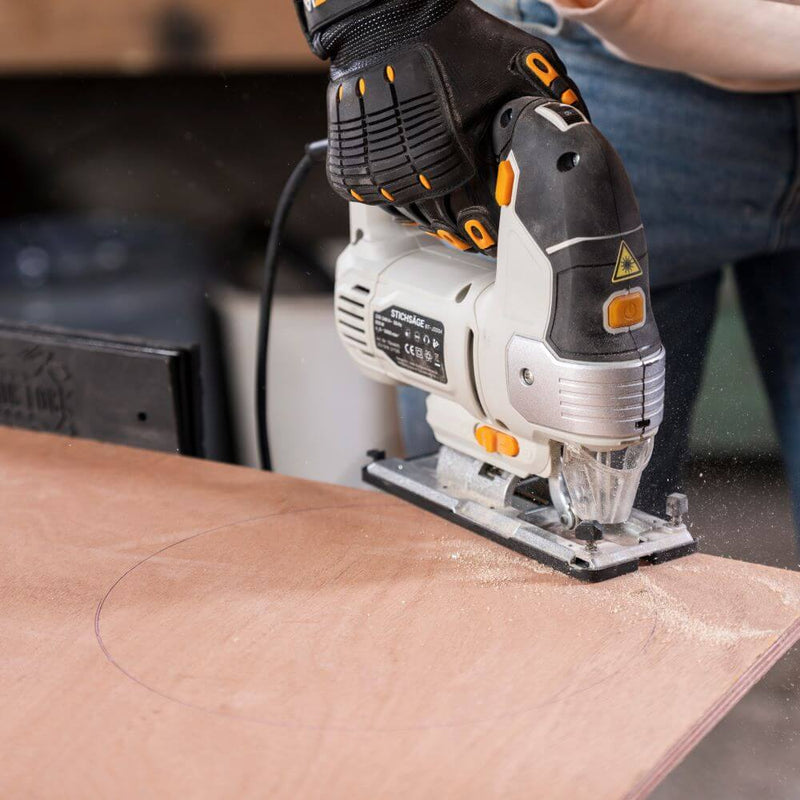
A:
[636,597]
[789,596]
[640,597]
[643,599]
[490,565]
[677,566]
[673,614]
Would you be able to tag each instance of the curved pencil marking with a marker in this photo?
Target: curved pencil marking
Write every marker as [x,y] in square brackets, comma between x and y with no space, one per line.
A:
[523,708]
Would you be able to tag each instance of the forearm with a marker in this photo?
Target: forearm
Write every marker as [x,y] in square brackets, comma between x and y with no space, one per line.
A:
[746,45]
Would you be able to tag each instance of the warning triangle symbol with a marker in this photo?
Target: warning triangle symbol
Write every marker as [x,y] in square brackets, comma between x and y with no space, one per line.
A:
[627,265]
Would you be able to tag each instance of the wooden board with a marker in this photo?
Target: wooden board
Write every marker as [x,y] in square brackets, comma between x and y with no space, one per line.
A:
[175,628]
[136,35]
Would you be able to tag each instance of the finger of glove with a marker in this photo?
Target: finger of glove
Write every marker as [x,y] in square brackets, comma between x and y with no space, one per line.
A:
[541,67]
[466,219]
[483,60]
[535,59]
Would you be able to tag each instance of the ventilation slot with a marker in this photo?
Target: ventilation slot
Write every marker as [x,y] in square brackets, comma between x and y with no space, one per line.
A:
[351,317]
[346,299]
[354,339]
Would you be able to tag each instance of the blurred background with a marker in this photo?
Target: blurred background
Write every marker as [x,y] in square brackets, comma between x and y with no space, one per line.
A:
[143,146]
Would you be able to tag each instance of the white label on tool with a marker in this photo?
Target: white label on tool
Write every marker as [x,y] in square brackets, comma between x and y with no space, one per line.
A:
[414,342]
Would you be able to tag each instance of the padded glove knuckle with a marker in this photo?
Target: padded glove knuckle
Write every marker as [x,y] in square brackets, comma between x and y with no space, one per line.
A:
[392,135]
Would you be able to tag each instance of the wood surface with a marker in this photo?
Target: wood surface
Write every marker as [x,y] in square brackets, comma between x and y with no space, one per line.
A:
[175,628]
[137,35]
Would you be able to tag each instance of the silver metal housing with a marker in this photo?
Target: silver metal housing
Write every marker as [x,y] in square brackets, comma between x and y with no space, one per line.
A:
[606,399]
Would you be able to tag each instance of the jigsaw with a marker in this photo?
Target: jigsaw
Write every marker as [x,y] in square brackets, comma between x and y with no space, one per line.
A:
[544,364]
[497,261]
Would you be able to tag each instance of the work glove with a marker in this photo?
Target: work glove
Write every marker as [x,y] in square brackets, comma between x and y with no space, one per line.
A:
[415,89]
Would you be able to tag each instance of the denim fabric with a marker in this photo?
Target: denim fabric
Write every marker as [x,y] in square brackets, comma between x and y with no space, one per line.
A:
[717,175]
[714,171]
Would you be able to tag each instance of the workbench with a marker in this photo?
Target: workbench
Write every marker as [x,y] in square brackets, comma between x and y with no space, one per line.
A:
[177,628]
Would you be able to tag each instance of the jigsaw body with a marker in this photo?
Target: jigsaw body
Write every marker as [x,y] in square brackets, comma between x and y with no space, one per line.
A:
[544,365]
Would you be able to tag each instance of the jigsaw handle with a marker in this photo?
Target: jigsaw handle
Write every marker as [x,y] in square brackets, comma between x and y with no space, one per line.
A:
[572,246]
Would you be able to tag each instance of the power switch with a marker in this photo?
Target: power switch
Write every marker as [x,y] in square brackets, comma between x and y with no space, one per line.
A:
[493,441]
[625,310]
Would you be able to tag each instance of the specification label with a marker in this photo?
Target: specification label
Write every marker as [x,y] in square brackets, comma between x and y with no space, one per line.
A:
[413,342]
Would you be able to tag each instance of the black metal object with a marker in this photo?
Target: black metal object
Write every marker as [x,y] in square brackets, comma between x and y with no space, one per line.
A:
[120,390]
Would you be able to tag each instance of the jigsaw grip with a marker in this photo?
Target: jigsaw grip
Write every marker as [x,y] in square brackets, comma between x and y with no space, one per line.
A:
[563,186]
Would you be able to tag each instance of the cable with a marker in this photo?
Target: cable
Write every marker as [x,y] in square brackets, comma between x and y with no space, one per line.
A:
[315,153]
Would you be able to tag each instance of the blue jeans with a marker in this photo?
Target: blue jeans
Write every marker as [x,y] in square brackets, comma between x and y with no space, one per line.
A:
[717,175]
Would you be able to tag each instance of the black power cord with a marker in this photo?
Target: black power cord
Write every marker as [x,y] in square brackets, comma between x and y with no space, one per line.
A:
[315,153]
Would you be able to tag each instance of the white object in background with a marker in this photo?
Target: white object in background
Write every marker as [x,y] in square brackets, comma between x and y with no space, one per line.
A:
[323,415]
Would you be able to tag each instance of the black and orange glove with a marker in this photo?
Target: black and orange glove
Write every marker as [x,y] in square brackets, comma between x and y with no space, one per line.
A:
[415,87]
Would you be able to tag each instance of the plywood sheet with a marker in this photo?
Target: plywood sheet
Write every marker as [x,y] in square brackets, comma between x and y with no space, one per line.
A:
[135,35]
[175,628]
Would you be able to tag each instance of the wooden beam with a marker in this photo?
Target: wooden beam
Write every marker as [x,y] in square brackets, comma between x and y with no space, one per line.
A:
[176,628]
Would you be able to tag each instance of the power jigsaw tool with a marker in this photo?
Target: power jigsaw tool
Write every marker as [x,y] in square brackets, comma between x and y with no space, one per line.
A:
[523,310]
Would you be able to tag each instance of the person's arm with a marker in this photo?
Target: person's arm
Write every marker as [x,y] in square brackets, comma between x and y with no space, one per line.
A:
[741,45]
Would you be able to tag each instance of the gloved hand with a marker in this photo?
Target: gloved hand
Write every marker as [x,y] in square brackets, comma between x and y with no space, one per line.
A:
[415,88]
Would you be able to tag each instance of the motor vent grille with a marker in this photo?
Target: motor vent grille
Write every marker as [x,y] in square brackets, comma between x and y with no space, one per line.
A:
[351,318]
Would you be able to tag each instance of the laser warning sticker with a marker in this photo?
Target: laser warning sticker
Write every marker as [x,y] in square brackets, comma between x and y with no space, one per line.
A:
[413,342]
[627,265]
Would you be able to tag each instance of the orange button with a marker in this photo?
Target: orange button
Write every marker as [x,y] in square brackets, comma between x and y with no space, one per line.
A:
[507,445]
[626,310]
[486,438]
[493,441]
[505,184]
